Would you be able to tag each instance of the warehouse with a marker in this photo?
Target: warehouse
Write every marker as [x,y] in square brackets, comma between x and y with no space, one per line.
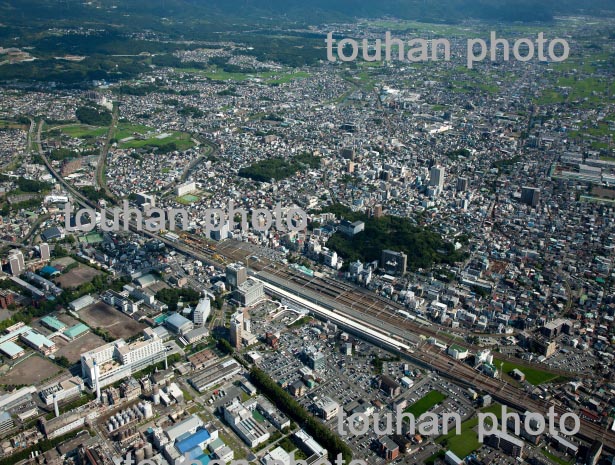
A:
[11,350]
[206,378]
[81,303]
[76,331]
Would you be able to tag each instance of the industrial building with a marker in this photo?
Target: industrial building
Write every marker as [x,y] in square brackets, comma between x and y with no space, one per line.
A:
[243,423]
[16,398]
[208,377]
[63,390]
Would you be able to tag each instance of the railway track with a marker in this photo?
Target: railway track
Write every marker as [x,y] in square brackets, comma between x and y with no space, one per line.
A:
[346,295]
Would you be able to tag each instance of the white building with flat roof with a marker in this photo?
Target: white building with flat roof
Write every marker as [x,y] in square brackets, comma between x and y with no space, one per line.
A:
[185,188]
[202,311]
[118,360]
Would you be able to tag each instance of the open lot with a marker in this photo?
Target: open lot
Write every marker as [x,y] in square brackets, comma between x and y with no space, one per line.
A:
[181,140]
[73,350]
[101,315]
[464,444]
[83,131]
[426,403]
[33,370]
[533,376]
[77,276]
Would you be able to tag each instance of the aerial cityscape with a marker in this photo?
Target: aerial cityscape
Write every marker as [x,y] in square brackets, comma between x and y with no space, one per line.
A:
[282,232]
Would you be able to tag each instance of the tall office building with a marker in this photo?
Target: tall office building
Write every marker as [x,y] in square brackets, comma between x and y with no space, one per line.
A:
[462,184]
[530,195]
[236,275]
[593,453]
[16,262]
[436,177]
[394,262]
[236,329]
[202,311]
[44,251]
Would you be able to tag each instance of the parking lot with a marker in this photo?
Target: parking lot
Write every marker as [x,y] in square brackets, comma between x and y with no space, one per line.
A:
[352,382]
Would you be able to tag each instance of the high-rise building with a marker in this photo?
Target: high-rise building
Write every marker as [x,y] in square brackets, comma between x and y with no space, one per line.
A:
[202,311]
[236,275]
[142,199]
[394,262]
[530,196]
[16,262]
[462,184]
[236,329]
[6,298]
[436,177]
[44,251]
[593,453]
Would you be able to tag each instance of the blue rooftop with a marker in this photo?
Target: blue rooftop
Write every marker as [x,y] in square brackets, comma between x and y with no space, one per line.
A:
[176,321]
[192,441]
[204,459]
[48,271]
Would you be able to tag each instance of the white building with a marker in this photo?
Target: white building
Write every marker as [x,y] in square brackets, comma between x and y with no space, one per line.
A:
[202,311]
[436,177]
[250,292]
[277,456]
[185,188]
[118,360]
[327,407]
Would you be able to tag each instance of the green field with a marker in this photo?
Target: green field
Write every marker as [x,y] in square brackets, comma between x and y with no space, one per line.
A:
[426,403]
[125,130]
[268,77]
[533,376]
[82,131]
[287,77]
[4,124]
[464,444]
[187,199]
[181,140]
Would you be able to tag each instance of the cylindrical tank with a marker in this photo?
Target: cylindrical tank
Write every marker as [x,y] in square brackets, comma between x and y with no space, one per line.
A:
[139,455]
[110,427]
[148,411]
[149,451]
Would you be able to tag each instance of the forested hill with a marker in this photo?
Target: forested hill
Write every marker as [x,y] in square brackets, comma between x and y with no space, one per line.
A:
[225,14]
